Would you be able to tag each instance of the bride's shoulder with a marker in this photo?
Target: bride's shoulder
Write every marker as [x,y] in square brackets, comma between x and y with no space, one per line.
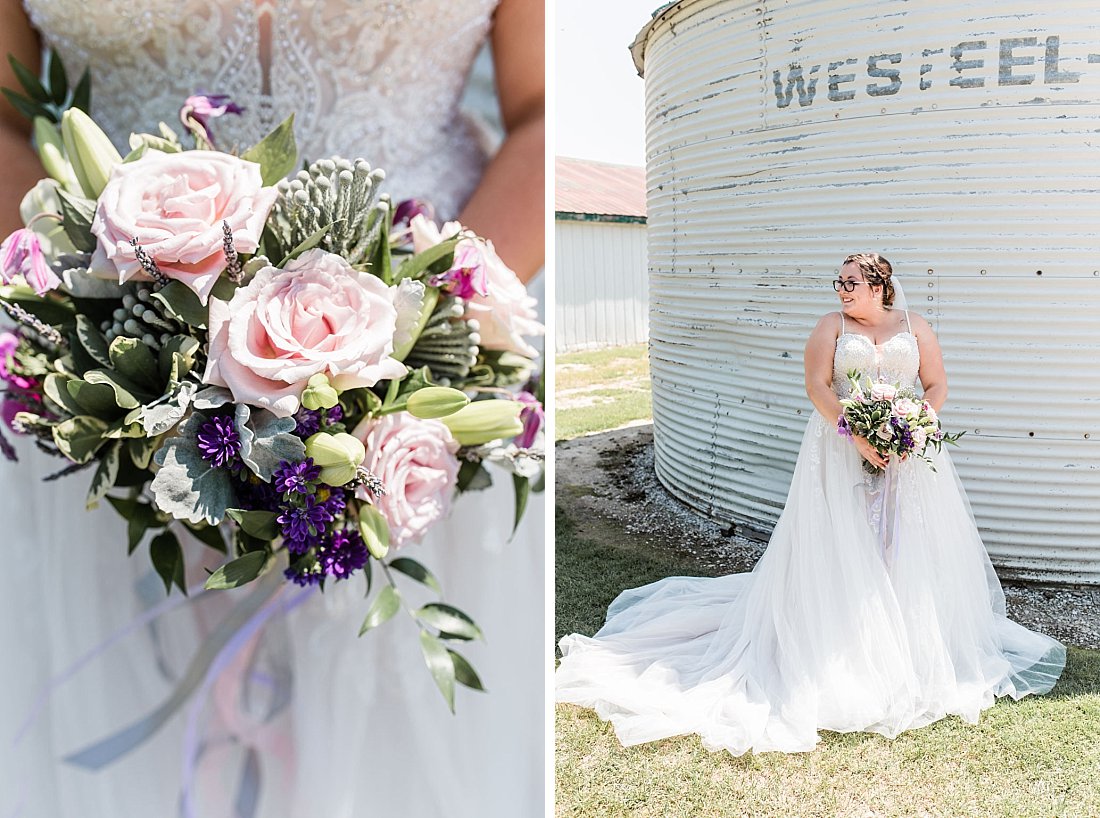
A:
[919,325]
[829,321]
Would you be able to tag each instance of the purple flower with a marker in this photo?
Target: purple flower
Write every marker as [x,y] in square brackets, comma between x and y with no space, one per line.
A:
[842,427]
[336,502]
[468,275]
[296,478]
[343,554]
[308,422]
[253,494]
[409,209]
[201,108]
[334,415]
[219,442]
[305,573]
[532,416]
[303,525]
[21,255]
[9,342]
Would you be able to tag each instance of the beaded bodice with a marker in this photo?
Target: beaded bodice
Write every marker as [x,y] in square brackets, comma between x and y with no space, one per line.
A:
[379,79]
[896,361]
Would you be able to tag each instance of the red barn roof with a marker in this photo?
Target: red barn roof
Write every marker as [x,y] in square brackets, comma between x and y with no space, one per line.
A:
[583,186]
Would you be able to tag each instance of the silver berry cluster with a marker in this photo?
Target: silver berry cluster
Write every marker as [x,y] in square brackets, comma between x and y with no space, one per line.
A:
[141,316]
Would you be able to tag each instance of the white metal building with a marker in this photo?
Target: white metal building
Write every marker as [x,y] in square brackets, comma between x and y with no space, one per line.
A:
[601,281]
[959,139]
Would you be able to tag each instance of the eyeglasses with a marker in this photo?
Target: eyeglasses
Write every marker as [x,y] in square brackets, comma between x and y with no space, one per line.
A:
[847,286]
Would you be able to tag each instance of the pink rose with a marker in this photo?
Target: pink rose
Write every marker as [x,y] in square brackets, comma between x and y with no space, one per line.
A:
[505,312]
[883,391]
[920,438]
[415,459]
[928,410]
[318,315]
[905,408]
[174,205]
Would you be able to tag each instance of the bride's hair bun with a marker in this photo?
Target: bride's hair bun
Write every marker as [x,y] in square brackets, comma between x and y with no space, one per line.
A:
[876,272]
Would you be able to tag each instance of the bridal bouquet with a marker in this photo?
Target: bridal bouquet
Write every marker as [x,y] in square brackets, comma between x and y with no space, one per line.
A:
[291,369]
[892,419]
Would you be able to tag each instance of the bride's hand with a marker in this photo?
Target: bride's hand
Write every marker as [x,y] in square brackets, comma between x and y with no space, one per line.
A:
[869,452]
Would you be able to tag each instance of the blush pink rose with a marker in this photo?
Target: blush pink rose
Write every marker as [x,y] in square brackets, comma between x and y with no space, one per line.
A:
[505,312]
[415,459]
[174,205]
[905,408]
[920,439]
[318,315]
[883,391]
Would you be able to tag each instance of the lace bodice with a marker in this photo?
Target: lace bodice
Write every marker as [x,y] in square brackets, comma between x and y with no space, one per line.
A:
[895,361]
[374,78]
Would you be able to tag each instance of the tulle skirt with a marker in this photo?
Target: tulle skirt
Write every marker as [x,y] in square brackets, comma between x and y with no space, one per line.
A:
[308,721]
[875,608]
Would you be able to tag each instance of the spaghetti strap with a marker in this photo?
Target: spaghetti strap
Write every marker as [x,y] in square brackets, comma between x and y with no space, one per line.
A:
[842,323]
[907,324]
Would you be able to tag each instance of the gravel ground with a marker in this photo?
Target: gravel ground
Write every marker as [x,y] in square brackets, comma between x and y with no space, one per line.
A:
[610,476]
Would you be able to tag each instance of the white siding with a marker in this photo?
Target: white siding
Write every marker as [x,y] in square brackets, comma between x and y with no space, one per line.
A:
[977,175]
[600,285]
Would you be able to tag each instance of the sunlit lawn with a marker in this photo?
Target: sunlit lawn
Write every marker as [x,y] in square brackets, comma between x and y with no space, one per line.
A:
[601,389]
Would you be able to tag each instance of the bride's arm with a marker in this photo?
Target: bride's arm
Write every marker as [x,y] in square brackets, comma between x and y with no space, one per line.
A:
[21,166]
[508,206]
[819,367]
[933,378]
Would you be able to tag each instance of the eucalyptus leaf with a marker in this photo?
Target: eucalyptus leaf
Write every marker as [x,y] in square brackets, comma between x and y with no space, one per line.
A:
[449,620]
[386,604]
[211,397]
[238,572]
[464,672]
[438,258]
[441,665]
[104,478]
[276,153]
[167,557]
[411,568]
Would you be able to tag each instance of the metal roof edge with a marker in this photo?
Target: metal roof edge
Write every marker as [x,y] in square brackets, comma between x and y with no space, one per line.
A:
[637,48]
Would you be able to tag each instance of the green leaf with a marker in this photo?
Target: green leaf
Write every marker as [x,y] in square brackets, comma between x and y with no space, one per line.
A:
[411,568]
[142,449]
[56,388]
[473,476]
[77,214]
[439,256]
[381,262]
[167,558]
[128,395]
[182,303]
[104,478]
[238,572]
[94,399]
[80,437]
[310,242]
[397,399]
[386,604]
[28,80]
[92,340]
[25,106]
[368,572]
[375,531]
[449,620]
[276,153]
[464,672]
[260,524]
[134,360]
[522,487]
[82,95]
[139,518]
[59,82]
[210,535]
[441,665]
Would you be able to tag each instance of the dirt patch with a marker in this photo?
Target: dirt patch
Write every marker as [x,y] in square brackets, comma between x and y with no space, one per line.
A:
[608,478]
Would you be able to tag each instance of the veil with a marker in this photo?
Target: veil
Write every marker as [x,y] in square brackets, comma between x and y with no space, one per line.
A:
[899,294]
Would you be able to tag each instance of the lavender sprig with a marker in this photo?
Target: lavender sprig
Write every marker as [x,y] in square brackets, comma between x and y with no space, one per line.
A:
[234,269]
[28,320]
[147,263]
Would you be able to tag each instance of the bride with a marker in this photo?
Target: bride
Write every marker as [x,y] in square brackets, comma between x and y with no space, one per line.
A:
[329,725]
[875,607]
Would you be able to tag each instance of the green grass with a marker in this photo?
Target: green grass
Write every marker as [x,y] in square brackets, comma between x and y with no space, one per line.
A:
[600,389]
[1036,758]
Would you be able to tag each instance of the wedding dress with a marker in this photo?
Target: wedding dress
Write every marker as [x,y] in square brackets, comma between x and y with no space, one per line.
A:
[874,608]
[335,726]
